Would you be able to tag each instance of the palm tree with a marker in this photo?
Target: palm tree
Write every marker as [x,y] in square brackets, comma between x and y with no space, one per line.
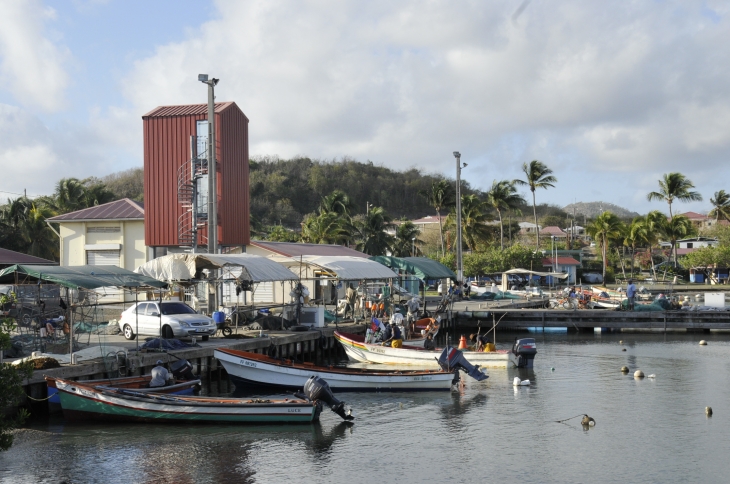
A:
[503,196]
[406,237]
[441,195]
[654,220]
[605,227]
[721,206]
[42,241]
[675,229]
[325,228]
[374,239]
[338,202]
[474,220]
[674,186]
[636,235]
[537,175]
[69,196]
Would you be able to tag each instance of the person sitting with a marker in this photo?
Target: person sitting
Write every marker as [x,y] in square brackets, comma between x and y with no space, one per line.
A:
[386,333]
[396,338]
[432,327]
[429,344]
[159,375]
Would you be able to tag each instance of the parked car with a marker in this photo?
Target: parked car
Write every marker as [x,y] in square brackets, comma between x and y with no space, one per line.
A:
[178,321]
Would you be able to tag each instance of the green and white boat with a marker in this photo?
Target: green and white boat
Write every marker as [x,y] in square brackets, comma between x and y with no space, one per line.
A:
[84,402]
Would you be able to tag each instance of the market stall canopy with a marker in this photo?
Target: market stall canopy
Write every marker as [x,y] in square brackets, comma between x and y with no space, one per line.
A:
[85,277]
[344,268]
[183,267]
[421,267]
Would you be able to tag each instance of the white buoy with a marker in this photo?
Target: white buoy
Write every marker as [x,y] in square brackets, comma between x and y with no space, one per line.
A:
[703,343]
[638,374]
[652,376]
[519,383]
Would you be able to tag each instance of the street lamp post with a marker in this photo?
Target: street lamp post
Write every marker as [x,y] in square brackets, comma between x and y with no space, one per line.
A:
[459,261]
[212,178]
[413,251]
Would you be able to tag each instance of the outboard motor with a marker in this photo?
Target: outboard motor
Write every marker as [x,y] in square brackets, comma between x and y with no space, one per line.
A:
[317,389]
[523,352]
[452,359]
[182,370]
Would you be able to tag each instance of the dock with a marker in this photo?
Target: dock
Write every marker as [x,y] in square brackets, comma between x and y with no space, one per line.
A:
[317,345]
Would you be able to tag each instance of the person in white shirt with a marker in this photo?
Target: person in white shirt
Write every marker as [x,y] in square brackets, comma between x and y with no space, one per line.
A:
[159,375]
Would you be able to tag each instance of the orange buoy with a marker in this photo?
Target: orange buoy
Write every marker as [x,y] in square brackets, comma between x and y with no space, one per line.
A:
[462,342]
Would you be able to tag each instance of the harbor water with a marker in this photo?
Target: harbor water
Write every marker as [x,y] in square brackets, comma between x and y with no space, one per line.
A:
[647,430]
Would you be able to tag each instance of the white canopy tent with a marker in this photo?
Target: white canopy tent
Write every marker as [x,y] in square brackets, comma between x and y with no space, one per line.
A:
[183,267]
[343,268]
[505,274]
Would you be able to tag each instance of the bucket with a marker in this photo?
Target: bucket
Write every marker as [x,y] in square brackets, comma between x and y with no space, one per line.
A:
[219,317]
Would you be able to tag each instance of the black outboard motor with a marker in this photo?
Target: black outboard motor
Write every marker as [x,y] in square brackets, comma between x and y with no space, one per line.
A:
[452,359]
[317,389]
[182,370]
[524,351]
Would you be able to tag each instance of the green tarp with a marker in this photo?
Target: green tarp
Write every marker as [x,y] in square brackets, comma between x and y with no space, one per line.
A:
[85,277]
[421,267]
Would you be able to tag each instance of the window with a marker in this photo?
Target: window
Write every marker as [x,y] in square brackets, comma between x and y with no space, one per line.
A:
[689,245]
[102,257]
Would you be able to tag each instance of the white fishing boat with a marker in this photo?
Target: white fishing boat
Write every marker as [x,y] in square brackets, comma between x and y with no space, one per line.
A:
[251,370]
[521,355]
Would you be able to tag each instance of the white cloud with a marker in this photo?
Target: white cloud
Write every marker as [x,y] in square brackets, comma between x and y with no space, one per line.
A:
[608,98]
[31,66]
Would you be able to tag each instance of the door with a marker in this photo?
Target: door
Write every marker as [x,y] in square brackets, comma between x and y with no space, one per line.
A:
[152,320]
[138,324]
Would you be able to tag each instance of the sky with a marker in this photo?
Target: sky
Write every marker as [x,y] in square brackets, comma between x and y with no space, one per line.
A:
[609,95]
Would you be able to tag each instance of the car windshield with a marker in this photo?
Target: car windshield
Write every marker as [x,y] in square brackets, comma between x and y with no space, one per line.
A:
[176,308]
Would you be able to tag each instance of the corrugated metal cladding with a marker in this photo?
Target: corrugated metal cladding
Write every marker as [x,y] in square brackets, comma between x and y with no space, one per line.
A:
[167,131]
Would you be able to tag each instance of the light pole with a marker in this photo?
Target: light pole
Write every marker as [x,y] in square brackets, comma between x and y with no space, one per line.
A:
[413,252]
[212,178]
[459,261]
[368,205]
[552,251]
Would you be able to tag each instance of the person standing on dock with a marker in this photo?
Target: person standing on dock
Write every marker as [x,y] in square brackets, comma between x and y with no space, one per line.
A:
[351,298]
[630,294]
[159,375]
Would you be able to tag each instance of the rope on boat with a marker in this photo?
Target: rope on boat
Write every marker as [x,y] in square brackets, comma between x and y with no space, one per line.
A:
[571,418]
[39,399]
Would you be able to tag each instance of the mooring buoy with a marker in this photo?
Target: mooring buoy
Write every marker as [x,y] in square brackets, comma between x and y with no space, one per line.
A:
[708,411]
[624,349]
[638,374]
[588,421]
[624,369]
[703,343]
[620,341]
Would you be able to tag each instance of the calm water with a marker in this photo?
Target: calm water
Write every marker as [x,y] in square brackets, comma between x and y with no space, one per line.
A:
[649,430]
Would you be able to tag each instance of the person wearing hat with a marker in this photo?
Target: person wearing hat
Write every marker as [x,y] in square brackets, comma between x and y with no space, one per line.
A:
[159,375]
[630,294]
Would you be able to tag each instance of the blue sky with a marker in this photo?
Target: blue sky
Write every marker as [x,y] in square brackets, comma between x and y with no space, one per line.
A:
[610,96]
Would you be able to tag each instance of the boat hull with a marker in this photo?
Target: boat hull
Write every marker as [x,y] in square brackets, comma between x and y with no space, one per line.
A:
[252,370]
[137,383]
[372,353]
[83,403]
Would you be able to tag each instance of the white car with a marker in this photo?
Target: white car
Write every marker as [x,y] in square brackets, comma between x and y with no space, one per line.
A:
[178,321]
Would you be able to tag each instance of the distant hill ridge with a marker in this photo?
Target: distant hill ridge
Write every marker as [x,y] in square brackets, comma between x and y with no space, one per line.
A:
[593,209]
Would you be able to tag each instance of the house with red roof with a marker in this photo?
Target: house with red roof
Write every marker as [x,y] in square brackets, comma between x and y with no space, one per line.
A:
[566,265]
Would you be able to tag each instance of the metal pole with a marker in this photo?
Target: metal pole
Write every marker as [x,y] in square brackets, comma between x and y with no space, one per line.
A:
[459,263]
[212,178]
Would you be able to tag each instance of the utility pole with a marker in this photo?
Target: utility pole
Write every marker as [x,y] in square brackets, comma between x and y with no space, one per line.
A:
[212,169]
[459,262]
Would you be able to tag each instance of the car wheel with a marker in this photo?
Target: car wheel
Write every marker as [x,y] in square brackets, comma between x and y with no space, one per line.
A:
[128,333]
[167,332]
[26,318]
[205,337]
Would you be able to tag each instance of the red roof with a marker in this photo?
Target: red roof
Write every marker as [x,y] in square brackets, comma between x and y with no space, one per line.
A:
[553,230]
[185,110]
[694,216]
[295,249]
[561,261]
[10,257]
[124,209]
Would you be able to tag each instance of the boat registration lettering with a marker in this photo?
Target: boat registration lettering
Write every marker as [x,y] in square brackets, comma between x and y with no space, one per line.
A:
[294,410]
[377,350]
[247,363]
[422,378]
